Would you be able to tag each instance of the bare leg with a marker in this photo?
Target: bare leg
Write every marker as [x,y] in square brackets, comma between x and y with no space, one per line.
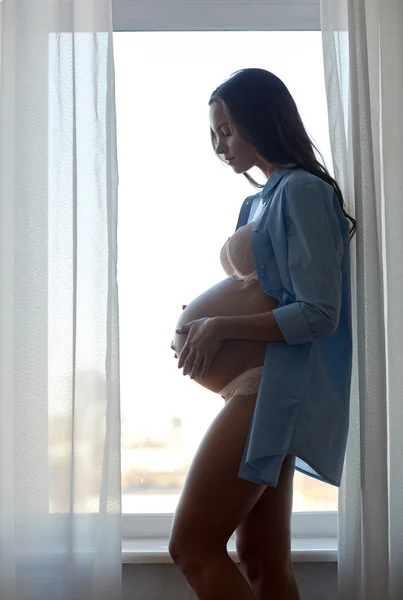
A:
[214,502]
[264,540]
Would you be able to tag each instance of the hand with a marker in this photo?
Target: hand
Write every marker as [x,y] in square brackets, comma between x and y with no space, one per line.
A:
[201,346]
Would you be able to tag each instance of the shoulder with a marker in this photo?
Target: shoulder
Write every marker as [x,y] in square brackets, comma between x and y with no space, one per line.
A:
[298,180]
[303,192]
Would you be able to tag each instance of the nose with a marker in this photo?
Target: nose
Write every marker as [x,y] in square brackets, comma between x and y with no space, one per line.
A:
[221,148]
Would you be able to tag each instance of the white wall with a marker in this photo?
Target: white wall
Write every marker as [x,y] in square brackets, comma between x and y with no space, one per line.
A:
[317,581]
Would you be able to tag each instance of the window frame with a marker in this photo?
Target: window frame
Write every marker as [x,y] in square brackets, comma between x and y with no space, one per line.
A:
[216,15]
[304,525]
[224,15]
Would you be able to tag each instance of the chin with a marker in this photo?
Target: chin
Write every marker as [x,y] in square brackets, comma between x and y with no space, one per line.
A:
[241,169]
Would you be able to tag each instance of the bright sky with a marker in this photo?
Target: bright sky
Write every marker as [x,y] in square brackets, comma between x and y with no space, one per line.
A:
[178,203]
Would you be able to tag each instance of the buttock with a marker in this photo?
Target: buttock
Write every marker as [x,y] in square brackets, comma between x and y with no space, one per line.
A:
[245,384]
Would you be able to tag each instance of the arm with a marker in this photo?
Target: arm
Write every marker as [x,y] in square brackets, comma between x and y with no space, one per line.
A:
[315,251]
[262,327]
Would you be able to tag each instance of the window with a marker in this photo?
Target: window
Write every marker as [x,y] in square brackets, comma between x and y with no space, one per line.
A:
[163,82]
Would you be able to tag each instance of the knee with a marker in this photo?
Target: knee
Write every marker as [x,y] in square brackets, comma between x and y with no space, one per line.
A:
[186,554]
[190,552]
[249,559]
[178,549]
[261,565]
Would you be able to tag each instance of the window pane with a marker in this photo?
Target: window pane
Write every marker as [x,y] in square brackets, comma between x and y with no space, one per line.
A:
[173,190]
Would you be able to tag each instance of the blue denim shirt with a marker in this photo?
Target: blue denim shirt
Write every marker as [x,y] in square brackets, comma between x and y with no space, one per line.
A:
[301,250]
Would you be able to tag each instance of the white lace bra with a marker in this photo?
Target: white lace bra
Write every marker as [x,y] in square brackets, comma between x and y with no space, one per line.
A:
[237,256]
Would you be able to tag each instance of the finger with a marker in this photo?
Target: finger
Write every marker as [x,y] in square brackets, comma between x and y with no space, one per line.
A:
[183,355]
[205,369]
[196,368]
[184,306]
[188,364]
[184,329]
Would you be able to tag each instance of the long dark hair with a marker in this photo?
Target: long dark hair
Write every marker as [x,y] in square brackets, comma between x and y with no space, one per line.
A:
[265,114]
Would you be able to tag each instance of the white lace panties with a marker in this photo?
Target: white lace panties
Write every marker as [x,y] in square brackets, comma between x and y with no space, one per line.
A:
[245,384]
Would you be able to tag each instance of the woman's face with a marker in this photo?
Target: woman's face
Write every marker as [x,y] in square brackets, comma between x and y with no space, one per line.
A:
[237,152]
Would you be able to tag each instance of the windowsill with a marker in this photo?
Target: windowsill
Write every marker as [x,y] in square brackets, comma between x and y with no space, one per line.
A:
[153,551]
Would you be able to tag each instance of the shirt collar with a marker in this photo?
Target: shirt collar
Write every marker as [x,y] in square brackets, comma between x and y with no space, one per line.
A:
[274,178]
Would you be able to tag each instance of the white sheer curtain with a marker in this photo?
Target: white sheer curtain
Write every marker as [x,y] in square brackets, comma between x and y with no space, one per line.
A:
[363,52]
[60,501]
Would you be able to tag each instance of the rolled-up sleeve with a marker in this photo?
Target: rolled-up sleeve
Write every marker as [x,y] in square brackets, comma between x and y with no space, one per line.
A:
[314,257]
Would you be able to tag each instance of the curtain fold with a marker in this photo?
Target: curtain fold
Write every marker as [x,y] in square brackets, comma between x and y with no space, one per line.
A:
[363,54]
[60,490]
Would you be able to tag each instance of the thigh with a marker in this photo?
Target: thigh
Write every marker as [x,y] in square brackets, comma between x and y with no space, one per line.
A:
[214,499]
[264,536]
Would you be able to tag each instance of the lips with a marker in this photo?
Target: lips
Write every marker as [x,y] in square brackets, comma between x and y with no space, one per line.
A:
[230,160]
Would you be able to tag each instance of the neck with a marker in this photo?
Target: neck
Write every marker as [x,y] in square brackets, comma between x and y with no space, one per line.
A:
[267,168]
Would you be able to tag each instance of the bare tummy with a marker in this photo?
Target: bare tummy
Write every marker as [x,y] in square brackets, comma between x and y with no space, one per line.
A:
[230,297]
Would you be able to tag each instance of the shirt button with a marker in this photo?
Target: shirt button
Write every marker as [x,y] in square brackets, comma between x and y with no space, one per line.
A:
[261,265]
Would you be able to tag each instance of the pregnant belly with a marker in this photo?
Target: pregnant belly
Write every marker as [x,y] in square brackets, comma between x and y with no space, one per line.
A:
[228,298]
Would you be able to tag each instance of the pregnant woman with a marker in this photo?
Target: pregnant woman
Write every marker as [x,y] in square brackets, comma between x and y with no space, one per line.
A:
[273,338]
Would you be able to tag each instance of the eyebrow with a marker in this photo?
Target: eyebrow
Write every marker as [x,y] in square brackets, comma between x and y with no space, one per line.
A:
[220,126]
